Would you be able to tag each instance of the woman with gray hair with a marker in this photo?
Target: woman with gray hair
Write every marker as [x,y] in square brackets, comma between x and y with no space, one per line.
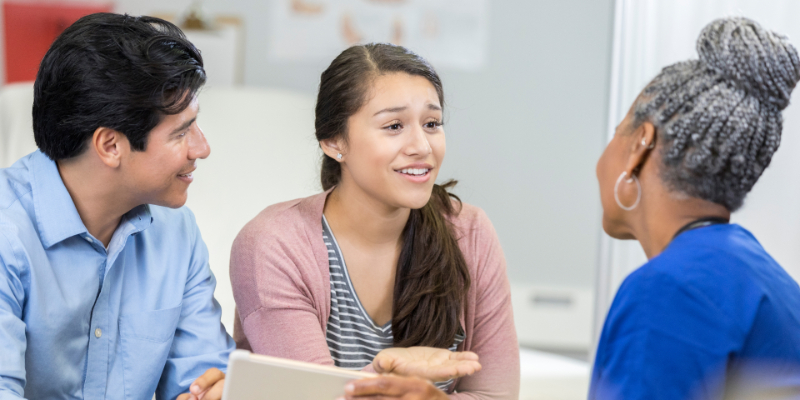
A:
[711,314]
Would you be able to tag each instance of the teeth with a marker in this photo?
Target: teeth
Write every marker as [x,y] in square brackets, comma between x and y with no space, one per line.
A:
[415,171]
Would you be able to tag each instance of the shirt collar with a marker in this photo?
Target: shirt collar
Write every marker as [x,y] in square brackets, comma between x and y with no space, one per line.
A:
[140,217]
[56,215]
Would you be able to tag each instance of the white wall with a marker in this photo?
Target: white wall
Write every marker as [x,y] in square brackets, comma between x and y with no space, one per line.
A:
[524,133]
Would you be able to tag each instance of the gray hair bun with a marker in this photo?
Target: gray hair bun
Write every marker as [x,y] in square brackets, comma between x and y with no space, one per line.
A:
[718,119]
[763,62]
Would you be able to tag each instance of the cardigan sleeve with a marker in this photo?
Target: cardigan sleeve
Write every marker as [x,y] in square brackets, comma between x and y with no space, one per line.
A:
[278,314]
[494,336]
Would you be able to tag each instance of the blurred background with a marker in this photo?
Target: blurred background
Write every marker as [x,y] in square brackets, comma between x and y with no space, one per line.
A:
[533,90]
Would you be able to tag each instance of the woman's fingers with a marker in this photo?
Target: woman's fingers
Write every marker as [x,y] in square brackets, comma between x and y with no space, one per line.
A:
[464,356]
[468,368]
[445,372]
[453,369]
[383,363]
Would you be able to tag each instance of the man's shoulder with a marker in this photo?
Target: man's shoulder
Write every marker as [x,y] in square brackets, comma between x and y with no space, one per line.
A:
[16,220]
[14,184]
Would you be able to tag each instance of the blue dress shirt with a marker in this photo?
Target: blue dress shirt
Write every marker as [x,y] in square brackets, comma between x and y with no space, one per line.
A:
[713,316]
[79,321]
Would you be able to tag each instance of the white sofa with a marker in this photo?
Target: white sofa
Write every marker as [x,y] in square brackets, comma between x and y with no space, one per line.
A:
[263,151]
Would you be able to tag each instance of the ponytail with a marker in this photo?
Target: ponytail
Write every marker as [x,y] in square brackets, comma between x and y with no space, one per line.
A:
[432,277]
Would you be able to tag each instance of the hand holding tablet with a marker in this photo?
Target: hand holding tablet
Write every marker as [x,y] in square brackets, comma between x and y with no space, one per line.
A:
[208,386]
[257,377]
[252,377]
[392,387]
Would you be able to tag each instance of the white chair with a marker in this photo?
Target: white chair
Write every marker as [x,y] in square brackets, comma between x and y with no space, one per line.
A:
[263,151]
[16,122]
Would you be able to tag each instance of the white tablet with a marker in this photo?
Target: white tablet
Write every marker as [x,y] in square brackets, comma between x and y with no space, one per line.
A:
[256,377]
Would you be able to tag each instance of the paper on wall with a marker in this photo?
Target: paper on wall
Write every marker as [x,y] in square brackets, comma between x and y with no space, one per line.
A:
[448,33]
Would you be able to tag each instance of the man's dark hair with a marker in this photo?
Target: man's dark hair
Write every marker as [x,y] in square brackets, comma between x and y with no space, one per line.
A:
[114,71]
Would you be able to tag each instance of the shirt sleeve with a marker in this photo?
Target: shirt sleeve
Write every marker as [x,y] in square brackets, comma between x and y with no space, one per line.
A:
[662,339]
[12,328]
[494,337]
[200,341]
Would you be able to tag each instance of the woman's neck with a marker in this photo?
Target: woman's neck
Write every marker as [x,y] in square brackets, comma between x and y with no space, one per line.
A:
[365,220]
[658,223]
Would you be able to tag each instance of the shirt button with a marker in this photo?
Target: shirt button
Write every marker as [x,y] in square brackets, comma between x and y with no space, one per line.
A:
[88,239]
[98,333]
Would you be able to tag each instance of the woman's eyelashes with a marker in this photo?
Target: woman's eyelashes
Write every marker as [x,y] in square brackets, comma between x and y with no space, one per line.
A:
[434,124]
[394,126]
[397,126]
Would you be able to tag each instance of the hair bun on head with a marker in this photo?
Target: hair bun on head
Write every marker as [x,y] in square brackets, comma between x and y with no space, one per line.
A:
[762,62]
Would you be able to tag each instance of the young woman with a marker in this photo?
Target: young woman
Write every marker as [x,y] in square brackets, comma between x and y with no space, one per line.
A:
[384,270]
[711,315]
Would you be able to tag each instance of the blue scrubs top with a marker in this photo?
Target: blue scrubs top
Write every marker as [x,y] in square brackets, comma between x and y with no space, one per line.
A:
[713,316]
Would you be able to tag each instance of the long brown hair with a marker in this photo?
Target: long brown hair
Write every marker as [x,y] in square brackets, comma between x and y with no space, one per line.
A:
[432,278]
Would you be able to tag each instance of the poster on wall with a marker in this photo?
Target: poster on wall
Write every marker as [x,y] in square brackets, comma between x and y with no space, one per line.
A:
[448,33]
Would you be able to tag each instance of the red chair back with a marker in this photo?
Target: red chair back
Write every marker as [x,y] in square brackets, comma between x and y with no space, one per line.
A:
[30,28]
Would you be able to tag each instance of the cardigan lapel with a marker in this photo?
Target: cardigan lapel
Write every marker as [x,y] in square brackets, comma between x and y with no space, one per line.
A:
[311,209]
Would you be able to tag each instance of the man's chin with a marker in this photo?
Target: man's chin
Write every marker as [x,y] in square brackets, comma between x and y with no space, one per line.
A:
[175,201]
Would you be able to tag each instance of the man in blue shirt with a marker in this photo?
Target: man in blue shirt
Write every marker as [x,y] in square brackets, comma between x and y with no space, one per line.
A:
[105,287]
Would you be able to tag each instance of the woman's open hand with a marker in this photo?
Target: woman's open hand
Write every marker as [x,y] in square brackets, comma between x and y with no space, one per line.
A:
[429,363]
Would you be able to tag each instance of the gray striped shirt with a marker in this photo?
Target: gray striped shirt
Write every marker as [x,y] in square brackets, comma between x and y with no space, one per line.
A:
[353,337]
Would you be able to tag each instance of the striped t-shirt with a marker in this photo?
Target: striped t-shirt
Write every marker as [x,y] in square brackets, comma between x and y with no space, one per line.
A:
[353,337]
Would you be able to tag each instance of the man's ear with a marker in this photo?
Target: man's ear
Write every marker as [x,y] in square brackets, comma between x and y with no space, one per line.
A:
[643,142]
[333,148]
[110,146]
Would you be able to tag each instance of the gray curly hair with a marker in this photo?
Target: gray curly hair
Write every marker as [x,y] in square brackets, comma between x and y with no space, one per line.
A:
[719,117]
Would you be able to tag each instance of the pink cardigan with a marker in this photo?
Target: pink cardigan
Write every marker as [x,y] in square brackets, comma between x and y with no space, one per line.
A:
[280,277]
